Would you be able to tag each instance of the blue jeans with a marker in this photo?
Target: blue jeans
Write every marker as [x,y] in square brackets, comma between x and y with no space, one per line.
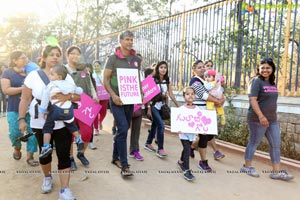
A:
[257,131]
[14,132]
[122,116]
[157,127]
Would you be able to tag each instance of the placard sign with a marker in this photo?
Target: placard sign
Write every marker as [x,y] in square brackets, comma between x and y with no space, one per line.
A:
[194,121]
[102,93]
[129,86]
[87,110]
[150,90]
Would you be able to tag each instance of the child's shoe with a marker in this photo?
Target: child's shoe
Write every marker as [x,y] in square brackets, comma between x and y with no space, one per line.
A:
[46,150]
[188,175]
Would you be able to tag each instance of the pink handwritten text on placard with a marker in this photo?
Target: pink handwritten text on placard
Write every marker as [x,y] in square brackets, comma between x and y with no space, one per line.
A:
[102,93]
[194,121]
[87,110]
[199,122]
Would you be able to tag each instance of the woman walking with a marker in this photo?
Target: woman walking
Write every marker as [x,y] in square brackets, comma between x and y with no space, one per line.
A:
[162,79]
[262,119]
[32,91]
[12,83]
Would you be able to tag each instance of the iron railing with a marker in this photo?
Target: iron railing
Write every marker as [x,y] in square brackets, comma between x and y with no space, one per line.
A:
[234,34]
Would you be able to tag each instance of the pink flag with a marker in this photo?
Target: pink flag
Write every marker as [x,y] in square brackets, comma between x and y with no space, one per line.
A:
[87,110]
[150,89]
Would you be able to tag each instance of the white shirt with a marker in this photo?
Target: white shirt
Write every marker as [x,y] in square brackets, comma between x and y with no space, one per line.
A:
[36,84]
[98,78]
[164,89]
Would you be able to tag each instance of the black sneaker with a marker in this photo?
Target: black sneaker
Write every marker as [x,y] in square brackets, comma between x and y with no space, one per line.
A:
[79,143]
[83,159]
[188,175]
[125,171]
[180,165]
[73,166]
[46,151]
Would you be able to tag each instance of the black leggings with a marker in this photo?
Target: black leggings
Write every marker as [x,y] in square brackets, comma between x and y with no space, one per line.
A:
[62,138]
[203,139]
[185,154]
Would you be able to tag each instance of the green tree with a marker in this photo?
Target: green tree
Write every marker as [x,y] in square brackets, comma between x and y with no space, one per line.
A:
[19,32]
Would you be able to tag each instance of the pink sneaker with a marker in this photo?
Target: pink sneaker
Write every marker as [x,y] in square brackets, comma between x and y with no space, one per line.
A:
[161,153]
[136,154]
[96,132]
[149,147]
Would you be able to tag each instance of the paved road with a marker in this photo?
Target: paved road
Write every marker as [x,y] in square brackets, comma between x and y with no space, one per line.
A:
[154,179]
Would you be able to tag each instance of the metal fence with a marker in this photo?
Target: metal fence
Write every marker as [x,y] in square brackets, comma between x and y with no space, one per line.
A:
[234,34]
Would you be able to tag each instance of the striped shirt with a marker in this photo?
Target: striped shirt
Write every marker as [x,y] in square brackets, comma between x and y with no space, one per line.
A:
[201,93]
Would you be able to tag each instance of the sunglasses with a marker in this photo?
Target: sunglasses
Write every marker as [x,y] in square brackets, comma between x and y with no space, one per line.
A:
[266,60]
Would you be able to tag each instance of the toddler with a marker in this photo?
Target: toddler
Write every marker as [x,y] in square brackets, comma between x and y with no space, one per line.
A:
[187,138]
[58,111]
[215,89]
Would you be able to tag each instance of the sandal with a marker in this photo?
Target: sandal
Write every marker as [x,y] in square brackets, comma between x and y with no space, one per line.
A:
[16,156]
[117,163]
[32,162]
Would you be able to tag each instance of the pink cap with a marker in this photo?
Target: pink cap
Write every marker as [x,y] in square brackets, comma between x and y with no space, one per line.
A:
[210,72]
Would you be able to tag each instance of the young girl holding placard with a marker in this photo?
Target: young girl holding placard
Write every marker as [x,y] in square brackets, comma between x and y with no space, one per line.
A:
[187,138]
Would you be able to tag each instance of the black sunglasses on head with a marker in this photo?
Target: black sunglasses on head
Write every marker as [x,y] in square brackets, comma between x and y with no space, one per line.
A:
[266,60]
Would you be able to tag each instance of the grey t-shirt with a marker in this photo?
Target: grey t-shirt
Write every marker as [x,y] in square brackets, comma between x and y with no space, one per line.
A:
[113,62]
[267,96]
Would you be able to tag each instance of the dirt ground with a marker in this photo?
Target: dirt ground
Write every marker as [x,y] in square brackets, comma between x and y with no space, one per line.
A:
[154,178]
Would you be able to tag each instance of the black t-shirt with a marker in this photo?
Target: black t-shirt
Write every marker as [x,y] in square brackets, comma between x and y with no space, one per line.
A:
[267,96]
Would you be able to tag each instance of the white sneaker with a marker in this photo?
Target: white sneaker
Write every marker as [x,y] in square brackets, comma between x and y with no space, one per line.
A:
[96,132]
[66,195]
[92,146]
[47,185]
